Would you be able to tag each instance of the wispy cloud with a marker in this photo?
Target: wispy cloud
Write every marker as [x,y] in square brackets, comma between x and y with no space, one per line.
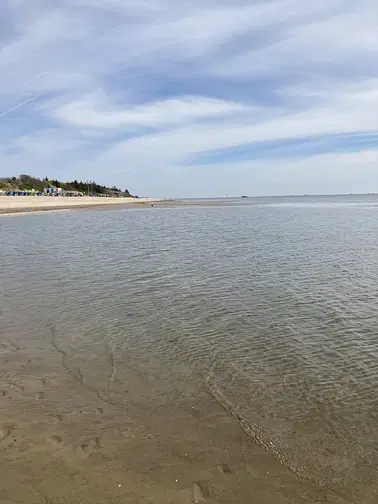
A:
[91,112]
[181,98]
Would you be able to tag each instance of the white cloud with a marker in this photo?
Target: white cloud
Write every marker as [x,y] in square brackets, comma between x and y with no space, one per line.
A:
[351,112]
[90,87]
[91,112]
[344,36]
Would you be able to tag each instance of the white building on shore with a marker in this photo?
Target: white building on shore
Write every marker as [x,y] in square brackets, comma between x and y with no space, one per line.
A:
[52,191]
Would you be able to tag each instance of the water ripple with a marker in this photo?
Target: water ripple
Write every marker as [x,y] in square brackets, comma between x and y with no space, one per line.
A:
[274,306]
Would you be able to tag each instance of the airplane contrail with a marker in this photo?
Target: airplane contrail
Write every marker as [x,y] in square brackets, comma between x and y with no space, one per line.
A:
[18,106]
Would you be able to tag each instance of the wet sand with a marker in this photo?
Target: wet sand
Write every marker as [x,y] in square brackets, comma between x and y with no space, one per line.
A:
[23,204]
[74,433]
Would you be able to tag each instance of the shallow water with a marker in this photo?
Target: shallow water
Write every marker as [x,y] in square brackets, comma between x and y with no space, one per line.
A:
[261,315]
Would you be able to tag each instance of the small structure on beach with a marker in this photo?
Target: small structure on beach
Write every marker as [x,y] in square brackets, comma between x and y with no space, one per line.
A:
[53,191]
[72,194]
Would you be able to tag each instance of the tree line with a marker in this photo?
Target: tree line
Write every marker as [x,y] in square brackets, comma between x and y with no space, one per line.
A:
[28,183]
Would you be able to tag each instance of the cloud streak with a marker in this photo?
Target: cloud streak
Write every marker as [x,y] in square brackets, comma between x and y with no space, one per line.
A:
[19,105]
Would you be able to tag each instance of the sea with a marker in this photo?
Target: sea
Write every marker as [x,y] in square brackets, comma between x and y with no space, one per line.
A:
[267,305]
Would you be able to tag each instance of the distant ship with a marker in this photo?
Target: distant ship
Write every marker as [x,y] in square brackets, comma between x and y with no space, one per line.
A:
[244,196]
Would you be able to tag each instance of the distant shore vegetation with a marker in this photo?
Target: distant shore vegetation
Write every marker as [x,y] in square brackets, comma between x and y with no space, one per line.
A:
[29,183]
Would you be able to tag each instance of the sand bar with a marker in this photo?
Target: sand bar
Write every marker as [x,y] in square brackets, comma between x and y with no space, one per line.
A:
[21,204]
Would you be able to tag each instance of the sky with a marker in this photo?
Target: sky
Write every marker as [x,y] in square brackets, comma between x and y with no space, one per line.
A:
[205,98]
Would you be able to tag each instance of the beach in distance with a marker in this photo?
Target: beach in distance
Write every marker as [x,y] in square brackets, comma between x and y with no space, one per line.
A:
[17,204]
[31,204]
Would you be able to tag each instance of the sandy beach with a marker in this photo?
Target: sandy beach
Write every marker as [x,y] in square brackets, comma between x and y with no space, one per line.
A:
[22,204]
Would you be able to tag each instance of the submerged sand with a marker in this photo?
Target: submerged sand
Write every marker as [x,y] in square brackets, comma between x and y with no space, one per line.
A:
[73,432]
[21,204]
[84,421]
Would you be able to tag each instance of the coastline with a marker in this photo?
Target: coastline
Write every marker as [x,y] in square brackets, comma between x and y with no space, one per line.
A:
[28,204]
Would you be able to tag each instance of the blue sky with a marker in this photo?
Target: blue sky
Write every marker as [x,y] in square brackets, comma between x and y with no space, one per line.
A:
[201,98]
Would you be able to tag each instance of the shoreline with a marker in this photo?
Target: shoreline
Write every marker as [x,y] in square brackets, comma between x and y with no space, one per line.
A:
[27,205]
[10,205]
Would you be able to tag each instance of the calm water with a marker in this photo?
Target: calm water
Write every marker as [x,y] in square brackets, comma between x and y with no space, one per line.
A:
[271,304]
